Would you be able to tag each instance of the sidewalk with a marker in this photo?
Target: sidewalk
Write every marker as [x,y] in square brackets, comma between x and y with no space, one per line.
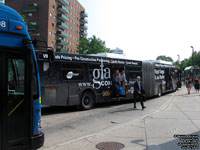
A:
[160,130]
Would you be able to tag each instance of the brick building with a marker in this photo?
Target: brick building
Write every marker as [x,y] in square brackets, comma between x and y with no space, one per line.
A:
[59,22]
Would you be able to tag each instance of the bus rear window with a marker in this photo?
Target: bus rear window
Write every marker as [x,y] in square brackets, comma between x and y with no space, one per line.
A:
[16,76]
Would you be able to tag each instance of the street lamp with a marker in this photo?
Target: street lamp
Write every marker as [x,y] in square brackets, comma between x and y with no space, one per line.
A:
[192,54]
[178,59]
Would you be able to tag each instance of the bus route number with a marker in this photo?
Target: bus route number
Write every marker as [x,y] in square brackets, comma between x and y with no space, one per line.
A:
[3,24]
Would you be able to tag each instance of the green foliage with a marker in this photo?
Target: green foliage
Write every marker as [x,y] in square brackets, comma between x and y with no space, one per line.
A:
[188,62]
[92,45]
[165,58]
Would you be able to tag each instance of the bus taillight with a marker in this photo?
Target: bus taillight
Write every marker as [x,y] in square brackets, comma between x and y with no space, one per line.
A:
[19,27]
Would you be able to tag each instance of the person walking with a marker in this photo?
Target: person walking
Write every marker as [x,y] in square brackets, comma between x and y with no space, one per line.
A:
[196,84]
[188,84]
[138,92]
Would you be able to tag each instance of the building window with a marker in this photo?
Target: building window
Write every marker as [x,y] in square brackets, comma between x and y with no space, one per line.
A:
[52,44]
[50,15]
[50,34]
[54,36]
[30,14]
[52,24]
[53,8]
[54,18]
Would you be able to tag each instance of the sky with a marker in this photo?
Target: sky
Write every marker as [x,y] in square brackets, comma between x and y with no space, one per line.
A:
[145,29]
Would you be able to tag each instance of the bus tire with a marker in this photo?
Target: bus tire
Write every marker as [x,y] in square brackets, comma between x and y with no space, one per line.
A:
[87,100]
[160,92]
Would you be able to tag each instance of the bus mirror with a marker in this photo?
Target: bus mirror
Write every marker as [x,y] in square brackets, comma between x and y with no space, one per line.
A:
[51,55]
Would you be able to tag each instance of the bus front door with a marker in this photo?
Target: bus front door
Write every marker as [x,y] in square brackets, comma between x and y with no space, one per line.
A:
[15,107]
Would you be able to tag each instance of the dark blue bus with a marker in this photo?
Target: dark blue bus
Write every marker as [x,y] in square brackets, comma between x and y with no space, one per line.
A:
[20,102]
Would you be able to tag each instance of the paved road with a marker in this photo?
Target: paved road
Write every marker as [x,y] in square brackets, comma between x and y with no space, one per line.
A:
[62,124]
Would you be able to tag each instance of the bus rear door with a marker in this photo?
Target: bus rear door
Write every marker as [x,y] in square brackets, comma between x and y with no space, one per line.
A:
[15,100]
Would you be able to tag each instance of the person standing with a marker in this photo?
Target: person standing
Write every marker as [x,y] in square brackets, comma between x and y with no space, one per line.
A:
[123,81]
[138,92]
[117,83]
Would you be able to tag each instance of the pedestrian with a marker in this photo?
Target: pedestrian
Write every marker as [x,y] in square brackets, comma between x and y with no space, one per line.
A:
[139,92]
[123,81]
[196,84]
[188,84]
[170,79]
[117,83]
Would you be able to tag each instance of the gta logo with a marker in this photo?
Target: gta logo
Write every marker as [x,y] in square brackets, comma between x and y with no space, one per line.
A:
[3,24]
[101,77]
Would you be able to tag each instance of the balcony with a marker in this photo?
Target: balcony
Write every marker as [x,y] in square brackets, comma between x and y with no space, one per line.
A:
[62,42]
[63,17]
[32,26]
[62,25]
[64,2]
[62,50]
[85,26]
[62,34]
[30,8]
[83,13]
[84,20]
[63,9]
[84,33]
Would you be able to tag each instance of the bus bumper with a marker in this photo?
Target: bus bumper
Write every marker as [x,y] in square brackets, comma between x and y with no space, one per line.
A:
[37,141]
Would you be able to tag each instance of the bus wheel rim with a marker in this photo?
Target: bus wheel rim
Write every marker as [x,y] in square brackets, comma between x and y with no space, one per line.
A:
[86,100]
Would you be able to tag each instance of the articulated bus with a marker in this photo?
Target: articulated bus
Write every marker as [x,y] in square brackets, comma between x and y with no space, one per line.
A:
[20,105]
[160,77]
[83,80]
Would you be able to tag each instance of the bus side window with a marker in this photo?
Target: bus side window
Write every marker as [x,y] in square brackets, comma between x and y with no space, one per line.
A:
[131,75]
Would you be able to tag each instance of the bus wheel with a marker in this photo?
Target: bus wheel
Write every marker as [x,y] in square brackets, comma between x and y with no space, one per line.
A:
[87,101]
[159,92]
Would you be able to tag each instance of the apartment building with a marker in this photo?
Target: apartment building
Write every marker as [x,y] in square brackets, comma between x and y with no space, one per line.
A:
[59,22]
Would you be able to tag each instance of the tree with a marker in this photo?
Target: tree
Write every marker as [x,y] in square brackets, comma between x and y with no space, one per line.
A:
[92,45]
[83,46]
[188,61]
[165,58]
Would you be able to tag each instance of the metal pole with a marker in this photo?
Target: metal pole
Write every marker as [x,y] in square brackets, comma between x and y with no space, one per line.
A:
[192,54]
